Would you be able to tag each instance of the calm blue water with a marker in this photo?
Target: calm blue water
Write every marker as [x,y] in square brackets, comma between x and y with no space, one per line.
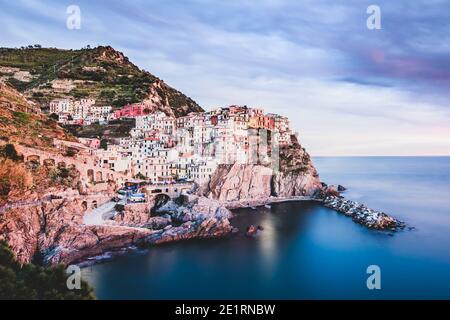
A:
[307,251]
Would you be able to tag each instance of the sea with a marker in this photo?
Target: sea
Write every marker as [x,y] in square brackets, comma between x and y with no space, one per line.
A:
[307,251]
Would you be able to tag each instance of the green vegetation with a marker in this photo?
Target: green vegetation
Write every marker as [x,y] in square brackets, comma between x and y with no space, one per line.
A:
[104,144]
[70,153]
[22,117]
[54,116]
[9,152]
[34,282]
[140,176]
[35,60]
[101,73]
[64,176]
[114,129]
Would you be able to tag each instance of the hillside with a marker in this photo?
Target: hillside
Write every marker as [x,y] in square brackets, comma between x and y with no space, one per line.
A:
[102,73]
[21,122]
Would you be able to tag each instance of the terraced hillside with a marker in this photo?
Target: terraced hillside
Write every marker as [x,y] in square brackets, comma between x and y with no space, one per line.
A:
[21,122]
[102,73]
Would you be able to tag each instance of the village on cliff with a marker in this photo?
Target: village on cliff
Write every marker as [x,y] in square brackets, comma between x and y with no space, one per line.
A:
[162,149]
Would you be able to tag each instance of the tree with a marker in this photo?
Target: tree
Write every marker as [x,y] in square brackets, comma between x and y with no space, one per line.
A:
[70,153]
[54,116]
[9,152]
[140,176]
[104,144]
[31,281]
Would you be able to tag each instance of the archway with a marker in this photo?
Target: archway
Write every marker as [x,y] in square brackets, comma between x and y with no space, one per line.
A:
[84,205]
[49,162]
[99,176]
[34,158]
[94,204]
[61,164]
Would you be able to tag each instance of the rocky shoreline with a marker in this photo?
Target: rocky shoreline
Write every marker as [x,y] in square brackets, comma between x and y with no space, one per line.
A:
[196,217]
[363,215]
[261,202]
[56,229]
[202,218]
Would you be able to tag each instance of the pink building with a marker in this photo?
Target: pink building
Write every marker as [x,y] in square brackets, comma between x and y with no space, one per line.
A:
[91,143]
[132,110]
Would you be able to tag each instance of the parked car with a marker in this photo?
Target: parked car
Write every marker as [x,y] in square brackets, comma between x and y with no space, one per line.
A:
[137,198]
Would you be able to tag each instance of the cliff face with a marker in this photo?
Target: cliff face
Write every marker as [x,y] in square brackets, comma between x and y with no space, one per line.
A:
[249,183]
[198,217]
[53,231]
[240,182]
[297,175]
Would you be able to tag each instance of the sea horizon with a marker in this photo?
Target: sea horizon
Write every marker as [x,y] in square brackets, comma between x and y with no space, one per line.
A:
[216,158]
[306,249]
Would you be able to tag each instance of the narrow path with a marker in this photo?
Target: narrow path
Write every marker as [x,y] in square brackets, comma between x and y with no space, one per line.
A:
[23,203]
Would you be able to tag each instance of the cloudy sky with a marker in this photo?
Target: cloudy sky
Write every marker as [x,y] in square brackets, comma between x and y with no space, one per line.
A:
[348,90]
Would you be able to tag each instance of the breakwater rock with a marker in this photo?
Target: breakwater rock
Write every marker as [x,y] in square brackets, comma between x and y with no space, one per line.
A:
[363,215]
[198,217]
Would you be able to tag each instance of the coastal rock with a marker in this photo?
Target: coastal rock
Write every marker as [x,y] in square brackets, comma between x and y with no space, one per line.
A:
[251,183]
[139,215]
[207,228]
[54,231]
[327,191]
[198,208]
[200,218]
[297,175]
[240,182]
[251,231]
[286,184]
[361,214]
[80,242]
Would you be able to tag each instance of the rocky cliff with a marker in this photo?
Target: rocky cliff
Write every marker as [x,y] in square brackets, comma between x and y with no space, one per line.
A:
[240,182]
[252,183]
[197,217]
[52,231]
[297,175]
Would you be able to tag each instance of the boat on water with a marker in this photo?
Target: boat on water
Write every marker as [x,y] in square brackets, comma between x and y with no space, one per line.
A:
[268,206]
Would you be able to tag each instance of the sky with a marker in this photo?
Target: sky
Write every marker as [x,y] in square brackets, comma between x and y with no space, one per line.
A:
[347,89]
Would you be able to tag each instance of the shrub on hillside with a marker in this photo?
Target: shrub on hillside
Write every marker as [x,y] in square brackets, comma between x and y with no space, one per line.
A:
[31,281]
[9,152]
[14,177]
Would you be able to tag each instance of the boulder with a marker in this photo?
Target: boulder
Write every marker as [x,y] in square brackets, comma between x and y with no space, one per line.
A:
[134,214]
[361,214]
